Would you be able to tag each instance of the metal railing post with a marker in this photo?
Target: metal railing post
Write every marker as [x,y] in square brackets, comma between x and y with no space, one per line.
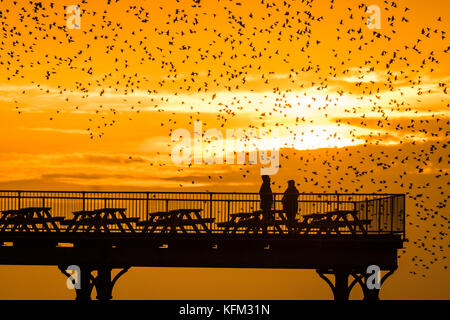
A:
[84,208]
[392,213]
[210,210]
[367,209]
[146,206]
[404,213]
[379,219]
[18,199]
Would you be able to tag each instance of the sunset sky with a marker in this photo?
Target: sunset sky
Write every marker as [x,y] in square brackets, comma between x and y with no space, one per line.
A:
[356,109]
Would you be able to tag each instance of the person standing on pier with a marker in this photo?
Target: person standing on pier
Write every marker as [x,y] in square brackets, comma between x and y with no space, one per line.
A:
[266,196]
[290,203]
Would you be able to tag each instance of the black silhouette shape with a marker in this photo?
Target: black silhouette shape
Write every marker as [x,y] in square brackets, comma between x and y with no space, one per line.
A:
[99,220]
[171,221]
[29,219]
[290,203]
[332,239]
[266,196]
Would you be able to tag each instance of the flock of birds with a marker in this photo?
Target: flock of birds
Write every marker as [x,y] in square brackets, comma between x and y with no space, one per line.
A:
[236,48]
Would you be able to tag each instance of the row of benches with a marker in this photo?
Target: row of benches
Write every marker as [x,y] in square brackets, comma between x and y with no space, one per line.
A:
[26,219]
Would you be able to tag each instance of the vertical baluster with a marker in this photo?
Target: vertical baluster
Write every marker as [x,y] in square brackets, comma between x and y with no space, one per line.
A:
[392,213]
[18,199]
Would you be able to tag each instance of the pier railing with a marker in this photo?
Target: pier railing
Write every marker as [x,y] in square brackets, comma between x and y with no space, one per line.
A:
[385,211]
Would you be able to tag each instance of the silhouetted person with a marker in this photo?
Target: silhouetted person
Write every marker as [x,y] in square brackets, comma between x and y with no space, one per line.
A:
[266,196]
[290,203]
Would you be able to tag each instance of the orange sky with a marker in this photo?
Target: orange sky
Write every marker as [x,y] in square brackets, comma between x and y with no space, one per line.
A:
[372,113]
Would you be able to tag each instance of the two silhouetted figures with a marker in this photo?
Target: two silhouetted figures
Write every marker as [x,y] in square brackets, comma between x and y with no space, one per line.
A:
[289,201]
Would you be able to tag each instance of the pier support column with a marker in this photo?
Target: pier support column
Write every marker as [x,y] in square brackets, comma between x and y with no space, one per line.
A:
[102,283]
[374,293]
[83,283]
[341,289]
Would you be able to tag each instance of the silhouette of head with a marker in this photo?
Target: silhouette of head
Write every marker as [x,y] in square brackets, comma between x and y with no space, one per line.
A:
[291,183]
[265,178]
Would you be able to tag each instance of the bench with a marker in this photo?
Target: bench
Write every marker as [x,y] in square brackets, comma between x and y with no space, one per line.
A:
[171,221]
[89,221]
[27,219]
[167,222]
[327,226]
[100,219]
[328,214]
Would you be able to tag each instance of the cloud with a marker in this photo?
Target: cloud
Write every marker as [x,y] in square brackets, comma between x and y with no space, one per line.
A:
[429,126]
[58,130]
[105,158]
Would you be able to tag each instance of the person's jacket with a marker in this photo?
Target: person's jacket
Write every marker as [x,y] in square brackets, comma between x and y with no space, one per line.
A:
[266,195]
[290,199]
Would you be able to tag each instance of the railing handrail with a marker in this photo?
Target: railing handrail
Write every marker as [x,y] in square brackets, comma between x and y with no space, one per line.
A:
[208,192]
